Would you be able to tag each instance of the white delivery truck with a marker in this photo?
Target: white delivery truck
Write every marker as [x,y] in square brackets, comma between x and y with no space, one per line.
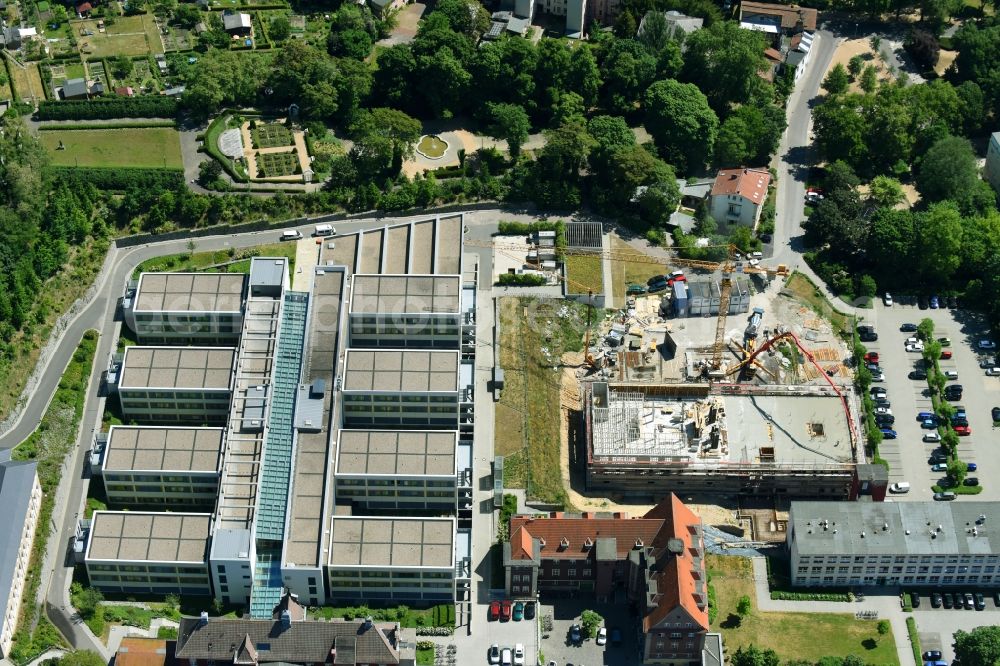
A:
[324,230]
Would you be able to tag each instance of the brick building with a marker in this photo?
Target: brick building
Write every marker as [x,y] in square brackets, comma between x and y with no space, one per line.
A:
[656,562]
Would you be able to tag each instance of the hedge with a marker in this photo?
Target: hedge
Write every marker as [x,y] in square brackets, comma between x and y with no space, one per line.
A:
[146,106]
[513,228]
[958,490]
[911,629]
[118,178]
[521,280]
[98,126]
[810,596]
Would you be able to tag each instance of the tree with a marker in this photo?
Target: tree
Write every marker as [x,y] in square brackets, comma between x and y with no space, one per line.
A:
[627,70]
[885,192]
[655,33]
[948,171]
[395,72]
[925,329]
[724,61]
[978,59]
[883,627]
[209,171]
[923,47]
[122,66]
[281,29]
[468,17]
[509,122]
[568,107]
[754,656]
[869,79]
[590,622]
[625,25]
[383,139]
[88,601]
[584,77]
[841,131]
[837,80]
[855,65]
[979,646]
[681,122]
[444,81]
[59,14]
[743,606]
[867,286]
[957,471]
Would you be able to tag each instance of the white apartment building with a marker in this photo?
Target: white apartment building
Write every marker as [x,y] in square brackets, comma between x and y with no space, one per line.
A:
[21,499]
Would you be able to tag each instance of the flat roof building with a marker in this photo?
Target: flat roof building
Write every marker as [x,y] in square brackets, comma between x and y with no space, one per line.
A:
[159,465]
[406,469]
[135,552]
[783,440]
[21,499]
[392,558]
[932,544]
[185,307]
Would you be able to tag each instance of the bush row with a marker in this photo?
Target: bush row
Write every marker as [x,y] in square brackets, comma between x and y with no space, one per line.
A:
[520,280]
[145,106]
[810,596]
[434,631]
[118,178]
[514,228]
[96,126]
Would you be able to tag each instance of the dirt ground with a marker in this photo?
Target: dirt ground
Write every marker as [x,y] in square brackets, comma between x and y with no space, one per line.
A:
[852,47]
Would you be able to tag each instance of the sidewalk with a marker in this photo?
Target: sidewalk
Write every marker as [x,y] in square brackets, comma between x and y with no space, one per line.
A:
[887,606]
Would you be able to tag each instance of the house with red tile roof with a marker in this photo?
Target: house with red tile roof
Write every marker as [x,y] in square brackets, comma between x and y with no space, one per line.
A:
[657,561]
[738,196]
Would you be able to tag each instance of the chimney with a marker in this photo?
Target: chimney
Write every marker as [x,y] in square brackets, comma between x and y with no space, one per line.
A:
[638,543]
[286,620]
[369,622]
[563,543]
[203,619]
[541,542]
[588,543]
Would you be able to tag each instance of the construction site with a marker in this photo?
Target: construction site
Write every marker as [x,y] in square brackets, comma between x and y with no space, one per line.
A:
[723,381]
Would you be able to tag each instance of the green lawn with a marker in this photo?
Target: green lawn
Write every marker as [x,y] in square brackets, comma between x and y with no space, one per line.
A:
[806,636]
[195,261]
[140,147]
[624,271]
[584,272]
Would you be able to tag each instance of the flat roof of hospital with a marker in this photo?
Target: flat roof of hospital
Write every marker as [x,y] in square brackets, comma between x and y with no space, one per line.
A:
[420,247]
[155,448]
[401,371]
[362,542]
[177,367]
[190,292]
[408,294]
[135,536]
[397,452]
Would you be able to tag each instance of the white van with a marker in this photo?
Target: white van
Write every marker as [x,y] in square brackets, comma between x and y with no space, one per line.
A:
[324,230]
[290,234]
[900,488]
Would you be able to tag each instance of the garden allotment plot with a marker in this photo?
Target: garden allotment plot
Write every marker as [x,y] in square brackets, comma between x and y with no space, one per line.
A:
[149,147]
[128,35]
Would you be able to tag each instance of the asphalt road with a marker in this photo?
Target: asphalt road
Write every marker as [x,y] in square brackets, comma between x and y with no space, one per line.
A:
[908,454]
[795,155]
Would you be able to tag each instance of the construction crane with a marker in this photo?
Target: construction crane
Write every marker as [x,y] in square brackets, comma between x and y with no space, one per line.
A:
[788,335]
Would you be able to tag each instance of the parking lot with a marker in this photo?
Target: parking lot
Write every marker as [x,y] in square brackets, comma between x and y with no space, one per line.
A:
[508,633]
[558,647]
[908,455]
[936,626]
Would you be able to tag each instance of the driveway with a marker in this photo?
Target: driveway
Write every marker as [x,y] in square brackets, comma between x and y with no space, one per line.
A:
[908,454]
[407,22]
[566,612]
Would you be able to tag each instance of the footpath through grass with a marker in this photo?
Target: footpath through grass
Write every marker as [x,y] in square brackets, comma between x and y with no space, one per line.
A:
[49,446]
[805,636]
[148,147]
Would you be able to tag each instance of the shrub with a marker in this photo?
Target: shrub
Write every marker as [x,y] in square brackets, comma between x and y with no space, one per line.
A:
[521,280]
[144,106]
[809,596]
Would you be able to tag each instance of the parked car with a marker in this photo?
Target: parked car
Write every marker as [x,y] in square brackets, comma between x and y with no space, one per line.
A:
[766,238]
[945,342]
[986,363]
[946,354]
[995,413]
[888,300]
[519,611]
[882,402]
[884,419]
[946,600]
[931,655]
[635,289]
[878,376]
[953,388]
[914,346]
[519,654]
[888,433]
[940,467]
[932,437]
[971,467]
[986,344]
[657,287]
[900,487]
[908,328]
[914,599]
[494,610]
[951,374]
[993,372]
[918,374]
[529,610]
[871,357]
[602,636]
[494,654]
[934,303]
[963,431]
[936,600]
[970,601]
[878,391]
[925,416]
[970,481]
[291,234]
[873,367]
[946,496]
[505,608]
[922,302]
[656,278]
[882,409]
[937,457]
[574,633]
[929,424]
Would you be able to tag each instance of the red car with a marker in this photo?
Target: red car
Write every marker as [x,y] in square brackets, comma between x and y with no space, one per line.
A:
[871,357]
[494,610]
[505,610]
[946,354]
[963,431]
